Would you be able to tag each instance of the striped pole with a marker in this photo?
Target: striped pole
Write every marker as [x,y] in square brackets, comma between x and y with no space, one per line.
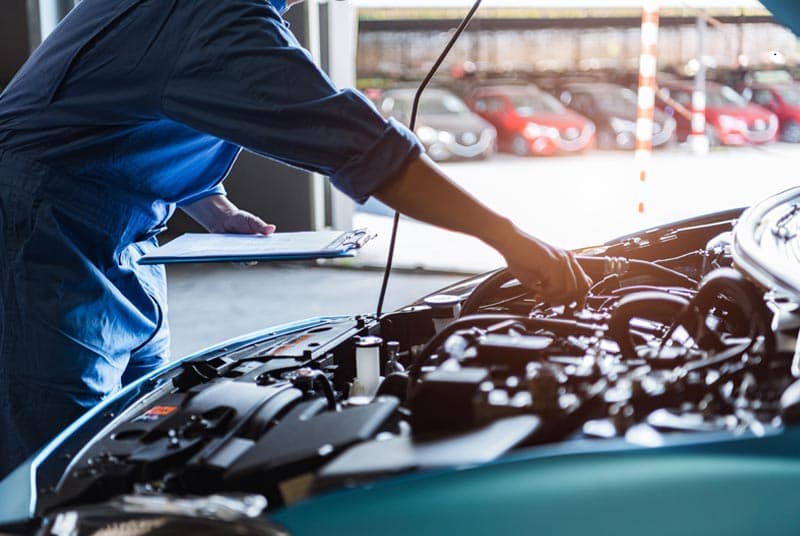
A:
[697,139]
[647,95]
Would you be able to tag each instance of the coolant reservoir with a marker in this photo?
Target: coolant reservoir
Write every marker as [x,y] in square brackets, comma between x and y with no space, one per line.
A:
[445,308]
[368,366]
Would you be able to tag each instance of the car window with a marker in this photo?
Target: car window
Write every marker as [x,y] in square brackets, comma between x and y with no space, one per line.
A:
[725,96]
[436,103]
[683,98]
[790,95]
[616,100]
[529,103]
[394,107]
[489,104]
[581,102]
[762,96]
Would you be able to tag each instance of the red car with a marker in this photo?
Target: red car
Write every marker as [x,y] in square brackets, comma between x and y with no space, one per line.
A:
[530,121]
[730,118]
[784,101]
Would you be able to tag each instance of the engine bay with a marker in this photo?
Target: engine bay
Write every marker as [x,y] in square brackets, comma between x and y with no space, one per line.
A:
[671,342]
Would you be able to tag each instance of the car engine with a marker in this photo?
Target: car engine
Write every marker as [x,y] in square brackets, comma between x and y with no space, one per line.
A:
[672,343]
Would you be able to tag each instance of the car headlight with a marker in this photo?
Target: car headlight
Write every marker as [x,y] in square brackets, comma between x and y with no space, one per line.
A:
[427,135]
[533,130]
[445,137]
[728,122]
[622,125]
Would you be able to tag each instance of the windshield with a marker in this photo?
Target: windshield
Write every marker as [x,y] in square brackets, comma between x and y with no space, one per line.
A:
[725,96]
[790,95]
[616,101]
[442,104]
[534,102]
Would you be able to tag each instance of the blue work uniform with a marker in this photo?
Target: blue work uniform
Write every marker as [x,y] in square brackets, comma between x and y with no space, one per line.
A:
[130,108]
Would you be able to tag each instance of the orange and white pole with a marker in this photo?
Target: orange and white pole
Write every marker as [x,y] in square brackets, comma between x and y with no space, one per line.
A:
[647,95]
[698,141]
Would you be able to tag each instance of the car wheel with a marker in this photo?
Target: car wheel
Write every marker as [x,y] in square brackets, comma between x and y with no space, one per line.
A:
[520,146]
[791,132]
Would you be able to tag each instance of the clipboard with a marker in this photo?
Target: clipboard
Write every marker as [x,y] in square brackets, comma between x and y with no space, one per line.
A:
[215,247]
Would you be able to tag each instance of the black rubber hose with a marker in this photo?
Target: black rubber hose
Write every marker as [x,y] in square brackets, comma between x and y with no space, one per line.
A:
[650,305]
[486,290]
[597,268]
[740,293]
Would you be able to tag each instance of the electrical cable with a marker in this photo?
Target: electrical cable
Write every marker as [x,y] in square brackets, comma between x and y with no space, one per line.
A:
[411,124]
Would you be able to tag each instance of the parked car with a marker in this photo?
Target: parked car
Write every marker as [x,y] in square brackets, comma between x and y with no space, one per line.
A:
[530,121]
[612,108]
[784,101]
[730,118]
[447,128]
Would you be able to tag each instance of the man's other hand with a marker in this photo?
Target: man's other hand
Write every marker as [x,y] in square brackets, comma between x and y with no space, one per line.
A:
[243,222]
[218,215]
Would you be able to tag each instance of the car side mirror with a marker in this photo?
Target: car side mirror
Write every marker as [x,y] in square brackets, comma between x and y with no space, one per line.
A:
[747,93]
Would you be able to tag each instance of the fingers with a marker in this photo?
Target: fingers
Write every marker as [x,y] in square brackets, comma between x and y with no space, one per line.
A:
[256,225]
[565,281]
[553,273]
[243,222]
[260,227]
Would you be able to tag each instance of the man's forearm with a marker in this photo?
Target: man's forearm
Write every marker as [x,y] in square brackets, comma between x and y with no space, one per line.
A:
[208,210]
[424,193]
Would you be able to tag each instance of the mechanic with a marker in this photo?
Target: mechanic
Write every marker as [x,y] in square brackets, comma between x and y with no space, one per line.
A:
[133,107]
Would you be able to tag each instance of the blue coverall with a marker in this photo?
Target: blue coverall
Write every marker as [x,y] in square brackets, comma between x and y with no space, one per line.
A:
[130,108]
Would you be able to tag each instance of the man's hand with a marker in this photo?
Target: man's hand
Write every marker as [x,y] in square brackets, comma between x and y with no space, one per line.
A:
[242,222]
[551,272]
[218,215]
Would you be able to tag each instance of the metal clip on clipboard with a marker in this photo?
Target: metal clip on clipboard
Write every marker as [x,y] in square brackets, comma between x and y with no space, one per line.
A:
[354,239]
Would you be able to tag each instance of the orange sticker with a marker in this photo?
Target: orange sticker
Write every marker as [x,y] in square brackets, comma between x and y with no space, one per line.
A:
[160,411]
[289,345]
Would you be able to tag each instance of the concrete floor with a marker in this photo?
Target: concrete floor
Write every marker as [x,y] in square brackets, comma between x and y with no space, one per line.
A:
[215,302]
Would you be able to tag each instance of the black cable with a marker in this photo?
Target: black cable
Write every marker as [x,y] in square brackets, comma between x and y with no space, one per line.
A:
[411,124]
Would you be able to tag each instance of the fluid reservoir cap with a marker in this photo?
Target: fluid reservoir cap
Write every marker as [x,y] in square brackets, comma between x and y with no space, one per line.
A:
[443,306]
[368,342]
[442,301]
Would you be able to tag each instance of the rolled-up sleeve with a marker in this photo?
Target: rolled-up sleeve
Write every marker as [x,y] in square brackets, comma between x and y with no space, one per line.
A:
[243,77]
[214,190]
